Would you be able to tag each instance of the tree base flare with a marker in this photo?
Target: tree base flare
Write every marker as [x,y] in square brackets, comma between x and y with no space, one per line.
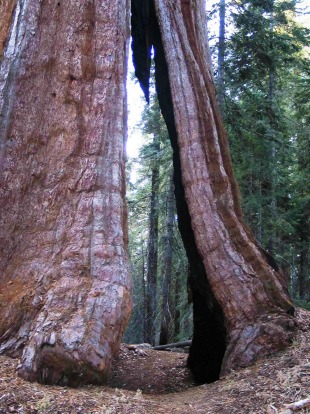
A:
[65,285]
[270,334]
[53,366]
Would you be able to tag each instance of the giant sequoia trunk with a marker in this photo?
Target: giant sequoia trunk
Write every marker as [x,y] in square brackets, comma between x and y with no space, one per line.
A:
[241,305]
[64,271]
[65,286]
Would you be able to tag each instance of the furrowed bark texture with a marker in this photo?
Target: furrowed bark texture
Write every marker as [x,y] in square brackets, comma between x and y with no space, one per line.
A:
[249,291]
[241,305]
[65,285]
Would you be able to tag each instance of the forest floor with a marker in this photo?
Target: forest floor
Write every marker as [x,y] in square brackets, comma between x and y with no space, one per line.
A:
[145,381]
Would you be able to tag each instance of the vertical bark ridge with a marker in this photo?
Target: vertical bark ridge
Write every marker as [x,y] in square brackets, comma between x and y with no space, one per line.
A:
[220,183]
[224,187]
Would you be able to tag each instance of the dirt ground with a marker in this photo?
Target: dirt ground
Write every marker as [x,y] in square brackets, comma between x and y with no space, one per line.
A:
[145,381]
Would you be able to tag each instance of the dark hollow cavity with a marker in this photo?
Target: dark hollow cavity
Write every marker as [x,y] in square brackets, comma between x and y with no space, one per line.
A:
[209,336]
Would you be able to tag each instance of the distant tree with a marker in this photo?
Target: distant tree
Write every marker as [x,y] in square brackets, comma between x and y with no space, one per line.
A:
[266,61]
[166,324]
[221,57]
[148,199]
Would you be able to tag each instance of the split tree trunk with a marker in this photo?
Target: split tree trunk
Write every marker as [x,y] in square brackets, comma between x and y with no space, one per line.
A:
[65,286]
[241,305]
[64,269]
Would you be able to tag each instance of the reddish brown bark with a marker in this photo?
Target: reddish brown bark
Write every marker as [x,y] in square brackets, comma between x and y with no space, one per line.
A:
[250,293]
[6,13]
[64,271]
[65,286]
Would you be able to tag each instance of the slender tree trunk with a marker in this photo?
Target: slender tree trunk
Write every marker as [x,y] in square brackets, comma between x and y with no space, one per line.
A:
[176,305]
[304,256]
[65,285]
[303,276]
[152,255]
[303,225]
[221,58]
[166,332]
[144,298]
[241,305]
[273,169]
[259,230]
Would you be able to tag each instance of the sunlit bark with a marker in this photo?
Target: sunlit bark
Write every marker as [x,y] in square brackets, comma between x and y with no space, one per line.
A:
[64,284]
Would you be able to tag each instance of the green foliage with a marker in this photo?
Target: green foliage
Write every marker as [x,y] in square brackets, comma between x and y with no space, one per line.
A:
[138,198]
[267,86]
[302,304]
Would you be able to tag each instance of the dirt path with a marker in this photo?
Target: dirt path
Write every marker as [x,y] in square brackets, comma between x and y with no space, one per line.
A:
[158,382]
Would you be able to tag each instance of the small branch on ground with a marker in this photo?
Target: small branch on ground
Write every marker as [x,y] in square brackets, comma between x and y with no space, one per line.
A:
[296,406]
[173,345]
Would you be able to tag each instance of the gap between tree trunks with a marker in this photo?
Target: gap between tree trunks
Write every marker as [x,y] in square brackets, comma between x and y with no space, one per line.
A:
[209,336]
